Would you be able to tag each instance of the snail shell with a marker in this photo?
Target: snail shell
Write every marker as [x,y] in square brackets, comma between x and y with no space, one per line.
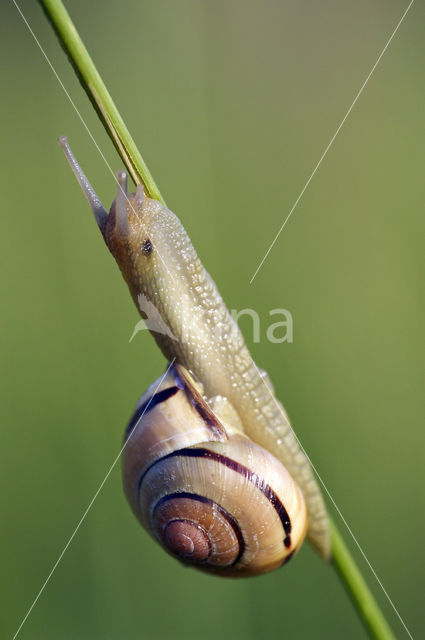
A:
[206,492]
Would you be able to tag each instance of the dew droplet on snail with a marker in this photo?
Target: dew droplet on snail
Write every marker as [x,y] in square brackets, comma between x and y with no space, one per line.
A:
[211,466]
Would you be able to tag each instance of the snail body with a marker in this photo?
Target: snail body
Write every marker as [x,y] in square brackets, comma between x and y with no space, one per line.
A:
[162,269]
[206,492]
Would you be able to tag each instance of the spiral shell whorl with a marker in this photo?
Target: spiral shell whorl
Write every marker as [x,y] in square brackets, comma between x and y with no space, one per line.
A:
[197,530]
[209,495]
[187,539]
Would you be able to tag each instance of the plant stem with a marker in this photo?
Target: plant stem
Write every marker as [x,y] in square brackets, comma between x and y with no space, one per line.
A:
[360,594]
[99,96]
[362,598]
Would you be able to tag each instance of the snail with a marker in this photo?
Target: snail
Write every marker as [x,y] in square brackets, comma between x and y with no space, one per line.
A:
[211,465]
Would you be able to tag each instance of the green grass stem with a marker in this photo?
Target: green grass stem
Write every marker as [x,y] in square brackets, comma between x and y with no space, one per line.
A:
[343,562]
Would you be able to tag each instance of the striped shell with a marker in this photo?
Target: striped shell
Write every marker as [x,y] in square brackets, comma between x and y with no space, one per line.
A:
[208,494]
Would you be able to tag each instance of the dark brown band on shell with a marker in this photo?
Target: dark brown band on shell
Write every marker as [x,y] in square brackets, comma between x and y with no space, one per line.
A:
[265,489]
[288,557]
[147,406]
[193,496]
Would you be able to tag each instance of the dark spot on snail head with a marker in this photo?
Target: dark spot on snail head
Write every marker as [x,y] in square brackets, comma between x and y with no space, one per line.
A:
[147,247]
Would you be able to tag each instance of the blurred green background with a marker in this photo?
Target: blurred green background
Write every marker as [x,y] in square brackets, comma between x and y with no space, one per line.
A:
[232,104]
